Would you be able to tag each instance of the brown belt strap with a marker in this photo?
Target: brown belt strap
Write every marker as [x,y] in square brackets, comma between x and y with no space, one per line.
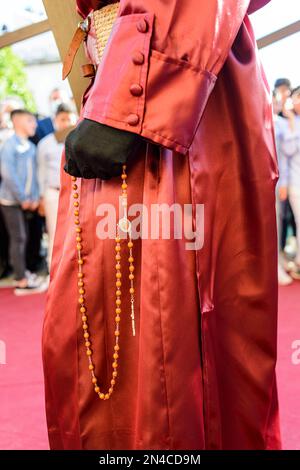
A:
[78,38]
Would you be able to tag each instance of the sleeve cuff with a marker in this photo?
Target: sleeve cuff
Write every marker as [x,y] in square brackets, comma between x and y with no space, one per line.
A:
[145,91]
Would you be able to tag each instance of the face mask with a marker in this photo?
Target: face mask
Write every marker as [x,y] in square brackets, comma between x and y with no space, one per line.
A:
[54,105]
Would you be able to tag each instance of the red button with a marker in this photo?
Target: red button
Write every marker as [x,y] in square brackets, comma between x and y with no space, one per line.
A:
[142,26]
[136,89]
[138,58]
[133,119]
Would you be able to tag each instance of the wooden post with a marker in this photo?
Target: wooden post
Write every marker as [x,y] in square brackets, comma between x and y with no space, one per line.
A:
[22,34]
[63,20]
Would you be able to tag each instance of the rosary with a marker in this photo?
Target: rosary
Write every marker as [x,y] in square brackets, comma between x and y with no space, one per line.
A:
[123,225]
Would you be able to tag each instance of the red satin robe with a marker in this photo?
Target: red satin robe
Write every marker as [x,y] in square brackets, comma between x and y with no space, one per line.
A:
[200,373]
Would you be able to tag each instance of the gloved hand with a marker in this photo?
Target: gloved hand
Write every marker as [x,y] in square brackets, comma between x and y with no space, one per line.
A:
[95,150]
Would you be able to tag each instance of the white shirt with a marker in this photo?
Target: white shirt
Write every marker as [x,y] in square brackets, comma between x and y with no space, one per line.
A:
[49,153]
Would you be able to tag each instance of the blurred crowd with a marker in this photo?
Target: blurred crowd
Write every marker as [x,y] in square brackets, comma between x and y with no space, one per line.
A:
[286,105]
[30,156]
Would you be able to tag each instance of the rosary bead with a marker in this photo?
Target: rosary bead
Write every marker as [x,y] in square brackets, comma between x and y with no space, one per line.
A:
[118,248]
[131,268]
[97,389]
[80,284]
[85,327]
[131,276]
[130,259]
[75,186]
[117,318]
[116,355]
[112,381]
[84,318]
[115,373]
[130,244]
[118,275]
[118,257]
[81,300]
[80,275]
[76,213]
[116,347]
[118,293]
[74,178]
[110,390]
[94,380]
[86,335]
[118,266]
[118,310]
[131,290]
[118,302]
[76,204]
[115,365]
[88,352]
[87,344]
[117,333]
[78,239]
[78,230]
[91,367]
[101,396]
[106,396]
[80,261]
[81,291]
[75,195]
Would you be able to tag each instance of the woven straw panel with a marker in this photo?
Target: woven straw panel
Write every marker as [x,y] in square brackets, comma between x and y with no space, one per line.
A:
[104,20]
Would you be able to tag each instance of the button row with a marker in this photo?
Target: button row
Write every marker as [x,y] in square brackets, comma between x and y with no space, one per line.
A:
[138,58]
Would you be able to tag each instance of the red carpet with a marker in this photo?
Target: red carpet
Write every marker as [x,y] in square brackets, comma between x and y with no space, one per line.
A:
[288,373]
[22,422]
[22,415]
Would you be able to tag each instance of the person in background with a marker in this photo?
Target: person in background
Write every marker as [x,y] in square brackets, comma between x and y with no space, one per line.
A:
[6,131]
[282,89]
[36,223]
[284,105]
[289,181]
[8,105]
[19,194]
[57,97]
[49,153]
[283,277]
[45,125]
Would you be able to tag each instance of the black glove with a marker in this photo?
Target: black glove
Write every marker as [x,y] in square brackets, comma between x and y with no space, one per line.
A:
[94,150]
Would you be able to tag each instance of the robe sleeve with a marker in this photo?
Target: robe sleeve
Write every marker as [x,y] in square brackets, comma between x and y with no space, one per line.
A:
[160,66]
[84,7]
[256,5]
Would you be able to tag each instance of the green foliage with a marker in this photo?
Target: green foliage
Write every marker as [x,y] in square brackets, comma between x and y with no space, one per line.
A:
[13,80]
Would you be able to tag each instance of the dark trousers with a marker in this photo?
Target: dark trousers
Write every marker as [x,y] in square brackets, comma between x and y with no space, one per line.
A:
[3,247]
[16,227]
[287,220]
[35,228]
